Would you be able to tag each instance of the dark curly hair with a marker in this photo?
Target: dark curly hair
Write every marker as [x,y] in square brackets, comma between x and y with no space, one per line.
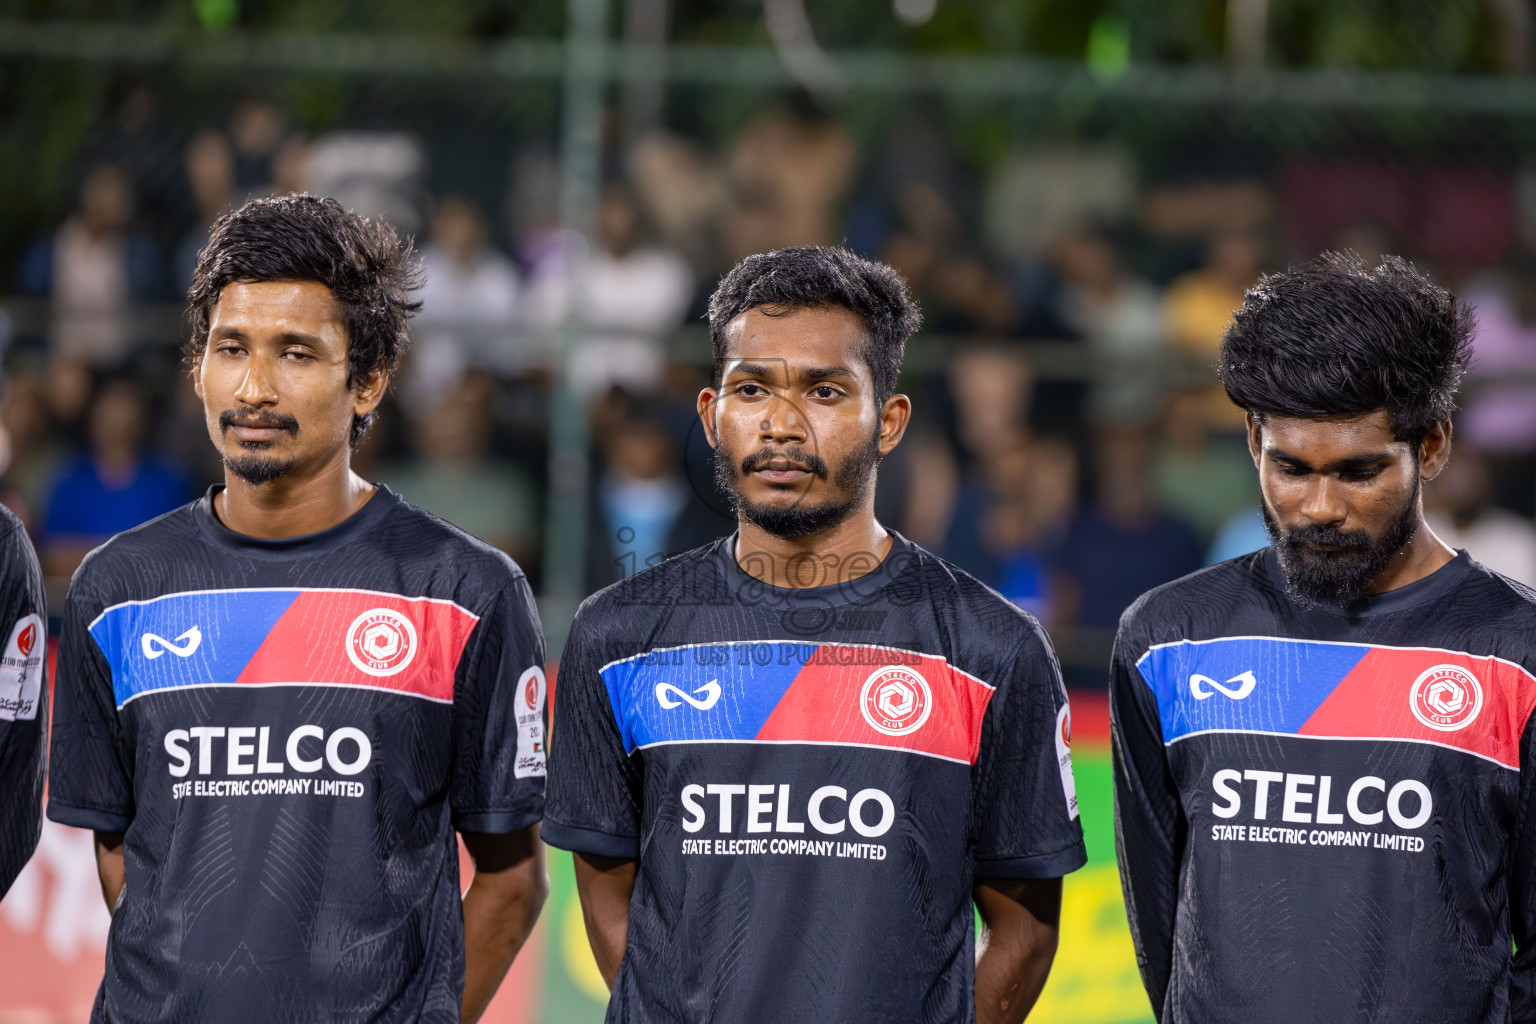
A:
[818,277]
[368,267]
[1338,338]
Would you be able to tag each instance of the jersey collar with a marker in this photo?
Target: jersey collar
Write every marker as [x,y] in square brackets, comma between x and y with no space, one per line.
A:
[350,529]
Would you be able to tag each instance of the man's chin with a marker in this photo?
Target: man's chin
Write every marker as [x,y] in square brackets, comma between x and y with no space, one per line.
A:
[790,518]
[258,469]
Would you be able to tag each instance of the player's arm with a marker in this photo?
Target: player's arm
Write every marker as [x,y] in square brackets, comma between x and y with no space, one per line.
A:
[497,793]
[500,907]
[23,702]
[605,885]
[109,866]
[1026,831]
[1149,822]
[594,795]
[1522,888]
[90,770]
[1020,919]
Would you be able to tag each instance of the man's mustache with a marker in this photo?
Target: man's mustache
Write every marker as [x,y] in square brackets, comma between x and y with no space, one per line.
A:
[1328,536]
[799,458]
[264,418]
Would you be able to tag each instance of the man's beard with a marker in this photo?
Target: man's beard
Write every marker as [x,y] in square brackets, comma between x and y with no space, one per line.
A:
[1339,578]
[800,519]
[247,462]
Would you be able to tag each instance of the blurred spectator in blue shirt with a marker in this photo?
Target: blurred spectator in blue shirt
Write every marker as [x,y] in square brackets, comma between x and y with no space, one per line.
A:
[113,487]
[1123,545]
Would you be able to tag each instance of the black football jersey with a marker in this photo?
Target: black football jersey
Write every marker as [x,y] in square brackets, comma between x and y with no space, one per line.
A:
[23,698]
[811,780]
[289,732]
[1327,815]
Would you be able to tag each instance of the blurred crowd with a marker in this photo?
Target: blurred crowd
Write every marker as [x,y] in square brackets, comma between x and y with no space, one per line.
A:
[1070,446]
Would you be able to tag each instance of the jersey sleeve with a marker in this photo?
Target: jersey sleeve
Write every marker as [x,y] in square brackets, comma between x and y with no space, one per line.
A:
[1022,792]
[90,777]
[1150,831]
[499,718]
[23,704]
[1522,888]
[595,785]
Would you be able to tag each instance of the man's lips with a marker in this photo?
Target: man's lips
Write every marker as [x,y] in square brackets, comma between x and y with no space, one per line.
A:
[255,432]
[783,471]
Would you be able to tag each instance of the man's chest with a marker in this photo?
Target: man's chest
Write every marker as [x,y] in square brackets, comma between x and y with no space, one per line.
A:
[1326,743]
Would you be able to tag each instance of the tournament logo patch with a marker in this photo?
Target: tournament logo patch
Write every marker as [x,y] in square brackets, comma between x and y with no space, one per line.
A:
[896,700]
[531,691]
[1446,698]
[381,642]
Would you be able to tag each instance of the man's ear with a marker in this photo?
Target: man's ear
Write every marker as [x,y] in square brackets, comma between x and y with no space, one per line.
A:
[197,376]
[1435,450]
[1255,438]
[706,409]
[894,417]
[370,393]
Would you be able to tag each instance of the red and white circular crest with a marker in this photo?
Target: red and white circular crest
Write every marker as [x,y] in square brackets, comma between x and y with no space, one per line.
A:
[1446,698]
[531,691]
[381,642]
[896,700]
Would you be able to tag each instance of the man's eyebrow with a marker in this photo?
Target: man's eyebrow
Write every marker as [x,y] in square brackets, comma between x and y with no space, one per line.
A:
[229,331]
[1348,462]
[757,369]
[828,373]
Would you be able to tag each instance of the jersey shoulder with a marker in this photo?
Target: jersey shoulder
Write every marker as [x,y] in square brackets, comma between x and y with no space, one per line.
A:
[692,577]
[1177,607]
[988,633]
[133,563]
[411,532]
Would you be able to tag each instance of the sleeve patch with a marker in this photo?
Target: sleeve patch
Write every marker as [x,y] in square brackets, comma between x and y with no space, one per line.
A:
[21,669]
[1064,757]
[532,691]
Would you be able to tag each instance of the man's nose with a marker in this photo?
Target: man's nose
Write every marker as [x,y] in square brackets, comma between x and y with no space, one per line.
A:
[1324,502]
[782,423]
[256,384]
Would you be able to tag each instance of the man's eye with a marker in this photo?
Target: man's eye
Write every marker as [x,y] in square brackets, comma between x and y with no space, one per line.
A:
[1294,471]
[1361,474]
[751,390]
[298,356]
[825,391]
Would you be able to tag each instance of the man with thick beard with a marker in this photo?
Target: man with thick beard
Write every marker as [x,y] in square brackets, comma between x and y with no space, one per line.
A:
[789,763]
[277,705]
[1324,750]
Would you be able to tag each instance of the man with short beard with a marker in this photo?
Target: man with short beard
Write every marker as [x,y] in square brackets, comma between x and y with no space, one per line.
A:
[278,704]
[1325,788]
[789,763]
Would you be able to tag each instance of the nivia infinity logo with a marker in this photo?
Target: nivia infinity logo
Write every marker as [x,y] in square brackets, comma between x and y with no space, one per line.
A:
[154,645]
[667,695]
[1201,687]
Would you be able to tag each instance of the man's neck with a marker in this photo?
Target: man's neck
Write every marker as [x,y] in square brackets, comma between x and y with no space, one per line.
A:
[1420,557]
[842,552]
[293,505]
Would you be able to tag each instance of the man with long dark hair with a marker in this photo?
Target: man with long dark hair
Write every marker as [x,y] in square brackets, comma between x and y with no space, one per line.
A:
[1323,750]
[790,762]
[276,705]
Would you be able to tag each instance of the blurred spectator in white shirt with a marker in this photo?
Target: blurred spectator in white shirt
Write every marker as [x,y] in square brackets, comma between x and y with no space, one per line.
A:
[624,298]
[470,304]
[211,179]
[455,476]
[93,270]
[1458,508]
[1120,317]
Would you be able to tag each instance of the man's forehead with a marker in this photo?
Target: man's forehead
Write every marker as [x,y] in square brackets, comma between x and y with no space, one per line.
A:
[795,341]
[1331,436]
